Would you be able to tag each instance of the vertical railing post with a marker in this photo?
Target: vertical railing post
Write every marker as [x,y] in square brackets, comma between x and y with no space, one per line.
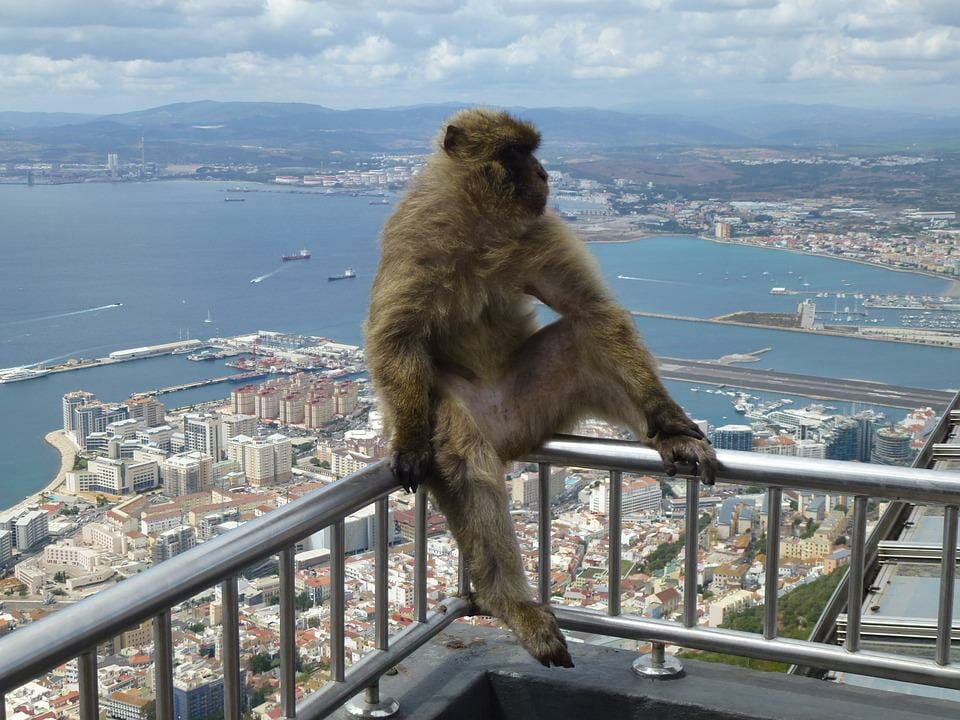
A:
[545,532]
[948,567]
[89,691]
[337,572]
[163,665]
[288,642]
[772,563]
[420,559]
[614,529]
[855,582]
[656,663]
[691,548]
[230,627]
[373,704]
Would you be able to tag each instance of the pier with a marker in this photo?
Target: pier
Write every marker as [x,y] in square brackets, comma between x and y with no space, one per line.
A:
[185,386]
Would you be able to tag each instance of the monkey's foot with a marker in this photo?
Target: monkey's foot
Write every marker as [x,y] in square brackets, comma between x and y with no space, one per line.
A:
[536,628]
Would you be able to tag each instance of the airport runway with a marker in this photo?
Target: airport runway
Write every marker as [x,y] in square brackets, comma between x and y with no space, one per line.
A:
[811,386]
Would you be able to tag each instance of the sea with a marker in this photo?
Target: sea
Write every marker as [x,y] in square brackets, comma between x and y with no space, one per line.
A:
[174,254]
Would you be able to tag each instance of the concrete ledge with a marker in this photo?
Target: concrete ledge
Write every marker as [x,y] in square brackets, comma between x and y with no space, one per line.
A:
[471,673]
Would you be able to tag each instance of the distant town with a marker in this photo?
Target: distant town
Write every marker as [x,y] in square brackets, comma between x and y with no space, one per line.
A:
[141,483]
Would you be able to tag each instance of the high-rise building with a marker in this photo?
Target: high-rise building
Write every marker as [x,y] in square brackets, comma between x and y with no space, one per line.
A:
[892,447]
[71,401]
[93,417]
[32,529]
[172,542]
[243,400]
[234,424]
[722,230]
[526,487]
[149,409]
[6,548]
[291,409]
[867,421]
[346,397]
[187,473]
[640,495]
[160,436]
[264,461]
[197,692]
[843,440]
[203,432]
[320,409]
[267,403]
[733,437]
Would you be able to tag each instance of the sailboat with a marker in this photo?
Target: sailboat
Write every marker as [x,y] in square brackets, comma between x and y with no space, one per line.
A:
[208,319]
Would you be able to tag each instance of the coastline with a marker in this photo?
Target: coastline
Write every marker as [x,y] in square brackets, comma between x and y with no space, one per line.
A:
[952,291]
[58,440]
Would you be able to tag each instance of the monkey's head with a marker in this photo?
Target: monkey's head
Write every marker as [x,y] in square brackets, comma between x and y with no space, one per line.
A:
[497,149]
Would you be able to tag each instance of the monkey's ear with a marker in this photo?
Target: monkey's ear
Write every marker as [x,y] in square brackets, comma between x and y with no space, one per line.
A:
[451,137]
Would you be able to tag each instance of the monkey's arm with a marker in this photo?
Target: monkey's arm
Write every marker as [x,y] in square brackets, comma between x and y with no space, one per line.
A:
[402,371]
[565,277]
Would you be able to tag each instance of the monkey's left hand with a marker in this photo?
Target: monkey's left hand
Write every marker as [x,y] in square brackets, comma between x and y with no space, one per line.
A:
[411,467]
[678,439]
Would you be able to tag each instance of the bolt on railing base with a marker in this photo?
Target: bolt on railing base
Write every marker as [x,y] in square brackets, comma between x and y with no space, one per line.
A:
[656,664]
[384,708]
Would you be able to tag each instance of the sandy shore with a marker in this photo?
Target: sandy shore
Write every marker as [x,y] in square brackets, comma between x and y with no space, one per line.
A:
[59,441]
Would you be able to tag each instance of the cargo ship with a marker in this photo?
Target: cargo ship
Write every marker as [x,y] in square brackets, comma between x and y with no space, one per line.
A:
[347,275]
[302,255]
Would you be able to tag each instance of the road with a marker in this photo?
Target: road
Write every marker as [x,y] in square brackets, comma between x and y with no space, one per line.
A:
[811,386]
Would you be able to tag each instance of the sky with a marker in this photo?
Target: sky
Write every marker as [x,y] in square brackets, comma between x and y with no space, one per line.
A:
[103,56]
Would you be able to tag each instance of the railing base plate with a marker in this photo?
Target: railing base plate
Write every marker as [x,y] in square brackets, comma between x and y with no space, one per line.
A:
[645,666]
[387,707]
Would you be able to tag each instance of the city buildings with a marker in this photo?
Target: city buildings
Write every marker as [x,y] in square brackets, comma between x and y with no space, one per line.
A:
[640,495]
[263,460]
[186,473]
[733,437]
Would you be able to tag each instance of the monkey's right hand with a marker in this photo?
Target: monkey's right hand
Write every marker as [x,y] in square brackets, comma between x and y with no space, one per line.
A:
[411,467]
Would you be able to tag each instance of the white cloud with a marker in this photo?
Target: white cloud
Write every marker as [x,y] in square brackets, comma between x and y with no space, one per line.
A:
[124,54]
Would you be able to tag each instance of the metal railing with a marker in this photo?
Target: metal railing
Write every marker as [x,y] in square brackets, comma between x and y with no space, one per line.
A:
[75,632]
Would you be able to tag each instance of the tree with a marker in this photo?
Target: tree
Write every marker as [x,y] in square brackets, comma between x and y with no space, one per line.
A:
[304,601]
[197,627]
[841,540]
[260,663]
[60,577]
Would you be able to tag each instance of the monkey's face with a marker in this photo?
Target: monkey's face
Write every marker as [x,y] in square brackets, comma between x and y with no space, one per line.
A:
[527,177]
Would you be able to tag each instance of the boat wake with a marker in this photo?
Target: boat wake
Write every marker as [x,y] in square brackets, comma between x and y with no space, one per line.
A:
[99,308]
[652,280]
[261,278]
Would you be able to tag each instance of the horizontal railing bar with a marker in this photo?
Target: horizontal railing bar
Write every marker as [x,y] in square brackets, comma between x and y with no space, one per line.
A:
[40,646]
[800,652]
[362,674]
[850,478]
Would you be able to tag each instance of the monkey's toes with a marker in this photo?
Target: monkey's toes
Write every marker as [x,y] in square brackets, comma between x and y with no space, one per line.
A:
[538,632]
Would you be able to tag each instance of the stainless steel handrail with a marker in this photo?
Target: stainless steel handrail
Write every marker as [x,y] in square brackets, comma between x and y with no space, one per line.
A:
[74,631]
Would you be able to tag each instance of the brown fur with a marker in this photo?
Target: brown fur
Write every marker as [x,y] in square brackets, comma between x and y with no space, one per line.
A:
[468,381]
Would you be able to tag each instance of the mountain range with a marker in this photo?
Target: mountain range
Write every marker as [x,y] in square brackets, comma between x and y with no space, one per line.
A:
[290,133]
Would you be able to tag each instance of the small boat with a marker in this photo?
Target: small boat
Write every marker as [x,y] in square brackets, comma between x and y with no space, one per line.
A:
[347,274]
[234,199]
[208,319]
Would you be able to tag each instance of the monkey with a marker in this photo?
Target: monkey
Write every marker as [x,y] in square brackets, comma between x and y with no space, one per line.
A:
[468,380]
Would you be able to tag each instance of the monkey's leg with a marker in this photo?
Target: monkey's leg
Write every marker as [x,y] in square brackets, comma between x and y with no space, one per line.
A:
[470,491]
[553,381]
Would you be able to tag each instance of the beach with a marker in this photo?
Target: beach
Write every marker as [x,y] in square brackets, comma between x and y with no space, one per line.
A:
[59,441]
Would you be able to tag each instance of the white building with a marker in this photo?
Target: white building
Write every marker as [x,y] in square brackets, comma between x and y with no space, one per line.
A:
[264,461]
[640,495]
[238,424]
[67,553]
[526,487]
[203,432]
[187,473]
[32,529]
[114,476]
